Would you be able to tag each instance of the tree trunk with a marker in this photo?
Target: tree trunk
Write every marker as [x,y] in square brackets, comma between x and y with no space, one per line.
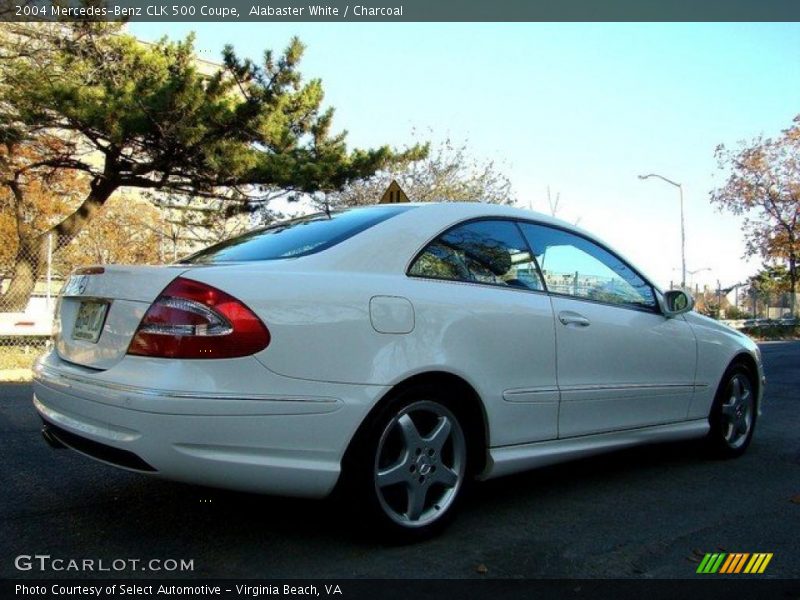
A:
[71,226]
[793,285]
[32,253]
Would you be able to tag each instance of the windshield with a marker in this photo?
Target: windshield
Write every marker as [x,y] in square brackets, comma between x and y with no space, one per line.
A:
[297,237]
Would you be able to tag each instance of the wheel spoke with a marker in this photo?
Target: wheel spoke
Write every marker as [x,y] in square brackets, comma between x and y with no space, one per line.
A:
[729,410]
[409,432]
[397,473]
[446,476]
[742,426]
[730,432]
[737,388]
[416,501]
[440,434]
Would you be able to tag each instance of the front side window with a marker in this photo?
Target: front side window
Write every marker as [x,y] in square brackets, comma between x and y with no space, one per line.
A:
[489,252]
[574,266]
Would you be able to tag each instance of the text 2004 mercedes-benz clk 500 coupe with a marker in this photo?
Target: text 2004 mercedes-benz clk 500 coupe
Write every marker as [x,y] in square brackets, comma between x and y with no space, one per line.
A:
[400,351]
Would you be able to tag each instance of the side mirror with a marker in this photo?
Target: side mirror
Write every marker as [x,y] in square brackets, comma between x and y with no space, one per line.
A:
[676,302]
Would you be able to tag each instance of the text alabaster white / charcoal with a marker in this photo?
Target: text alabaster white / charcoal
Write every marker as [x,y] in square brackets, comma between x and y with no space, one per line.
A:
[317,10]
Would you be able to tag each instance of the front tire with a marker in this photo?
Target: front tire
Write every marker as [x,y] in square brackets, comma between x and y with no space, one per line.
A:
[413,466]
[733,415]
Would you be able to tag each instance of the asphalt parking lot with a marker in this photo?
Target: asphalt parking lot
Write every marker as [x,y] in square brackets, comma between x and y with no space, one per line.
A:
[645,513]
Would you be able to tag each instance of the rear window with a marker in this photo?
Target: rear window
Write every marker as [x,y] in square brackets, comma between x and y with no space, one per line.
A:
[298,237]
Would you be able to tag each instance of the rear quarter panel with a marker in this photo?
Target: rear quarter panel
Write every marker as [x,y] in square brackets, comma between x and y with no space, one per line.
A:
[496,339]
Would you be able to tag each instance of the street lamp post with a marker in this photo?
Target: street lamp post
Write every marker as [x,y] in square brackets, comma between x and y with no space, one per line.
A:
[691,273]
[683,223]
[694,272]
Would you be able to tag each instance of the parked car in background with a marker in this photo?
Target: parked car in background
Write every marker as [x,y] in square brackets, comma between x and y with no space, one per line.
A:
[398,351]
[36,321]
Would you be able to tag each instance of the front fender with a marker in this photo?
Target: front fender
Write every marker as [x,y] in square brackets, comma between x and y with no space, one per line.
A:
[717,347]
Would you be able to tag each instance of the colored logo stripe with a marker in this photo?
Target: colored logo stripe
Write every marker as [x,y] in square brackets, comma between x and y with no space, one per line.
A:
[722,562]
[758,563]
[734,563]
[711,563]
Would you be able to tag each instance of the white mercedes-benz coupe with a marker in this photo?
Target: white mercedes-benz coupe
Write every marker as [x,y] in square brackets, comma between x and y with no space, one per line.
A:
[395,351]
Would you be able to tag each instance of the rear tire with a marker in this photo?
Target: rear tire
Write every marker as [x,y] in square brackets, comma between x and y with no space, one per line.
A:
[733,414]
[411,465]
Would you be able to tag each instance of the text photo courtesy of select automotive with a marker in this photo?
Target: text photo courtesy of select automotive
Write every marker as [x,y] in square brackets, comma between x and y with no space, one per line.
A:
[541,326]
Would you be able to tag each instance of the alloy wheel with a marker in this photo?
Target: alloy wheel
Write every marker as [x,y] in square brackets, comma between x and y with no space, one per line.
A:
[737,411]
[420,464]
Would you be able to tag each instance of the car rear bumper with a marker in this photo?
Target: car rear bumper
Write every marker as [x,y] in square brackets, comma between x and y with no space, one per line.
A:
[281,443]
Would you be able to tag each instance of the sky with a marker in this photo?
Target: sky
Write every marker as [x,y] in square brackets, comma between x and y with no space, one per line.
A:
[579,108]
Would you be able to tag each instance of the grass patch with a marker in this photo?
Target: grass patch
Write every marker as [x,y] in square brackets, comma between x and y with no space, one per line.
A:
[20,355]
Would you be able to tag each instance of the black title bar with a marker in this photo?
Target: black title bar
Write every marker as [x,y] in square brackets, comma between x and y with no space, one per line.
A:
[371,11]
[708,588]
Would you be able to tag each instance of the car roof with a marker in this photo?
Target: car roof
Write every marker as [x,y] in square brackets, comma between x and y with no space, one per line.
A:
[477,208]
[393,243]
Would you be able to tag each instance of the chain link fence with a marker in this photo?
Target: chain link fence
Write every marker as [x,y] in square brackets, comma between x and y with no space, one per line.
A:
[761,314]
[743,301]
[29,286]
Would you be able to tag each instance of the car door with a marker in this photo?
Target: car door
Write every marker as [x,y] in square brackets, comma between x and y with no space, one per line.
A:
[620,363]
[478,286]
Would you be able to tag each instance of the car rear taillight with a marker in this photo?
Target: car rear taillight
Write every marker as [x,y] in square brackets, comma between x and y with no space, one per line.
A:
[194,320]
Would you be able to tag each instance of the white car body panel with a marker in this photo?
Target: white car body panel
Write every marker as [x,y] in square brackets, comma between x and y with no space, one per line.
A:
[248,429]
[513,459]
[347,325]
[717,345]
[628,368]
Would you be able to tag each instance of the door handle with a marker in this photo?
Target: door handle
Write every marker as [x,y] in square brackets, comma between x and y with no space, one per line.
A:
[569,318]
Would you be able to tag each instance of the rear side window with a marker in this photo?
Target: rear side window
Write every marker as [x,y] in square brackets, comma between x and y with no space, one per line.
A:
[298,237]
[489,252]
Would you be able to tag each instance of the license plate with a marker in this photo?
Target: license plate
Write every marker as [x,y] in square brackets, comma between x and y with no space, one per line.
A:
[90,320]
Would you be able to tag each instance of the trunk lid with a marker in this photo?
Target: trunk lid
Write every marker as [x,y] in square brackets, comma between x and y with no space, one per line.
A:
[100,308]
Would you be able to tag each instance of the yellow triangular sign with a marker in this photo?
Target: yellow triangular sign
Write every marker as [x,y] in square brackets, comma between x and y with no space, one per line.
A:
[394,194]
